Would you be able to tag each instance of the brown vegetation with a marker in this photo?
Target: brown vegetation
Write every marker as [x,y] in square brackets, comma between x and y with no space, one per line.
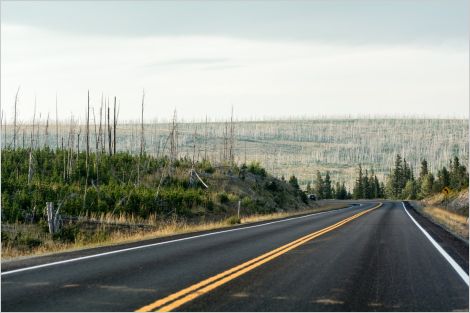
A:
[105,229]
[449,211]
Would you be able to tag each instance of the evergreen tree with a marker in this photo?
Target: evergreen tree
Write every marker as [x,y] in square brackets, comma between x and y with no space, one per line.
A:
[366,187]
[358,190]
[382,190]
[294,182]
[407,174]
[338,191]
[319,186]
[410,191]
[424,169]
[397,178]
[377,193]
[427,185]
[443,179]
[344,192]
[458,175]
[388,188]
[327,191]
[309,188]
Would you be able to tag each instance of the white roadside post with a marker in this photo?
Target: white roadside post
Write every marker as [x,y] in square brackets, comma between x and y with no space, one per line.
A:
[50,216]
[238,211]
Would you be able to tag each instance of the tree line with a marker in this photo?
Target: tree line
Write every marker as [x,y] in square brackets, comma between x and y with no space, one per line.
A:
[402,183]
[325,188]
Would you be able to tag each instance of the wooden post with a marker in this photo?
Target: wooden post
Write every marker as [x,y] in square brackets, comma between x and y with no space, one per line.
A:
[238,211]
[50,216]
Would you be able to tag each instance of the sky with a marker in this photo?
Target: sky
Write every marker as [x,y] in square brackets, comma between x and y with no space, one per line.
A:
[266,59]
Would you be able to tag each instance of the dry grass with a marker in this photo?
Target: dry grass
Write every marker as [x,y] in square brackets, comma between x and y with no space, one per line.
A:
[122,218]
[449,211]
[455,223]
[120,236]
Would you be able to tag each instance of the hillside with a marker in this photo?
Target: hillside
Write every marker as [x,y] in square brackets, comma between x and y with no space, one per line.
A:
[122,195]
[284,147]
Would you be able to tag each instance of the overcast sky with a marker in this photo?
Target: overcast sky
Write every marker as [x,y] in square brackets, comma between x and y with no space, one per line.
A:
[267,59]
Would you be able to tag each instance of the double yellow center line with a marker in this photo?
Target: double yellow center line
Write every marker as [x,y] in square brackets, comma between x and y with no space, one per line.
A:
[181,297]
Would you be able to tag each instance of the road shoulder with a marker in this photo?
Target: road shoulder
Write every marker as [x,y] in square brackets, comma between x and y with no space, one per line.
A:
[454,246]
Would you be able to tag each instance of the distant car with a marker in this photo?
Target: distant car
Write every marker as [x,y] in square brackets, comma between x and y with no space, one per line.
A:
[312,197]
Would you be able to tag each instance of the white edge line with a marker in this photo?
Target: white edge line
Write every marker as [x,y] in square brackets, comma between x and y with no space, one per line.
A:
[160,243]
[449,259]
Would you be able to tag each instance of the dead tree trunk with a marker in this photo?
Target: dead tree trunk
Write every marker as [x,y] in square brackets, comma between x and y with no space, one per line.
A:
[88,130]
[109,132]
[14,119]
[232,140]
[114,128]
[87,156]
[142,126]
[34,121]
[30,165]
[205,141]
[46,133]
[56,123]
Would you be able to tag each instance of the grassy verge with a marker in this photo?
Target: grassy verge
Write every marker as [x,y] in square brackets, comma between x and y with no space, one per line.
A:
[449,211]
[27,240]
[455,223]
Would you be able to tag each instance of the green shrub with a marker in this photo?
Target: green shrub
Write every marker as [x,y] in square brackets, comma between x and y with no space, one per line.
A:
[233,220]
[223,197]
[255,168]
[206,166]
[67,234]
[31,242]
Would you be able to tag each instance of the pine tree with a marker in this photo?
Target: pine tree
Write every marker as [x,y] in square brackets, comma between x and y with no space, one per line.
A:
[327,191]
[458,175]
[443,178]
[382,190]
[344,192]
[358,189]
[377,193]
[406,173]
[424,169]
[319,186]
[309,188]
[366,186]
[397,178]
[294,182]
[427,185]
[410,191]
[338,191]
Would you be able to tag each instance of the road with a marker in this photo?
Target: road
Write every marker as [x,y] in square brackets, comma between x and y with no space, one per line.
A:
[362,258]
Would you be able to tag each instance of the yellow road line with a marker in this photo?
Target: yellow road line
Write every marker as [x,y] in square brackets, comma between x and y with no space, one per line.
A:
[179,298]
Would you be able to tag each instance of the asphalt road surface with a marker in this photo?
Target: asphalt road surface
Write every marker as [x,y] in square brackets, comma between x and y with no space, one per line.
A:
[362,258]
